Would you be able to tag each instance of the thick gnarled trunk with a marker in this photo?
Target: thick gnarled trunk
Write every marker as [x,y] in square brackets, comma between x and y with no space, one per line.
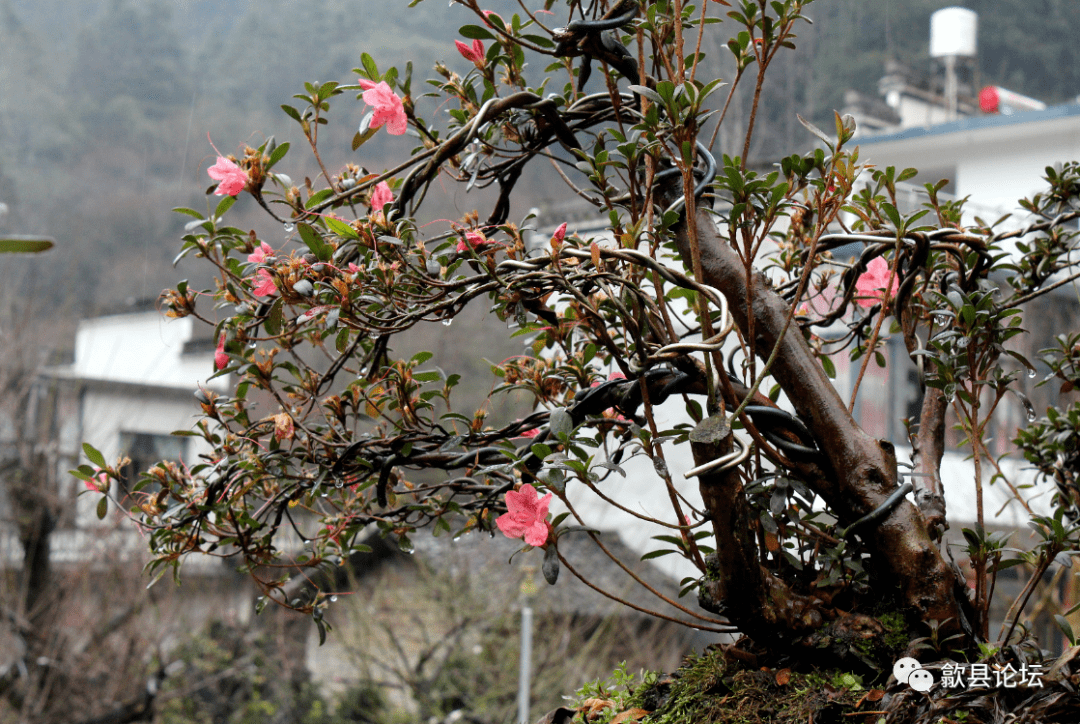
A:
[863,470]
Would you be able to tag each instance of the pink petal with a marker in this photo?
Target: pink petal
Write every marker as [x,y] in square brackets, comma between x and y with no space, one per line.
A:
[221,358]
[522,504]
[537,534]
[266,286]
[381,196]
[560,232]
[366,84]
[399,122]
[510,527]
[260,254]
[542,507]
[232,179]
[465,50]
[870,284]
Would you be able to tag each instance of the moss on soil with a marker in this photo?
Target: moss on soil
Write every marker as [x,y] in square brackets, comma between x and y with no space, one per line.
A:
[713,688]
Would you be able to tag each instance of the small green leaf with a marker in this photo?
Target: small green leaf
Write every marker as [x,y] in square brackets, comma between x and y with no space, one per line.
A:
[362,137]
[102,508]
[24,244]
[815,130]
[277,155]
[93,455]
[224,205]
[369,66]
[475,32]
[273,318]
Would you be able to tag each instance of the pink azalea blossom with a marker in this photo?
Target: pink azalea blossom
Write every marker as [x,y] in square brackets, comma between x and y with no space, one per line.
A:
[259,255]
[526,516]
[381,196]
[265,286]
[388,106]
[529,433]
[471,240]
[475,53]
[221,358]
[232,179]
[559,235]
[98,484]
[873,282]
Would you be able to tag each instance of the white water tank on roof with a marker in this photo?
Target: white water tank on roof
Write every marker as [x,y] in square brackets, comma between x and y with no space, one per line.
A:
[953,33]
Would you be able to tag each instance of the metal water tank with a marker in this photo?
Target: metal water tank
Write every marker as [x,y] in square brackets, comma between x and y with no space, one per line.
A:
[953,33]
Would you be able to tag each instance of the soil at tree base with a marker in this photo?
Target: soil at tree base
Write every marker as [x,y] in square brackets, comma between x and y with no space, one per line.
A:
[725,685]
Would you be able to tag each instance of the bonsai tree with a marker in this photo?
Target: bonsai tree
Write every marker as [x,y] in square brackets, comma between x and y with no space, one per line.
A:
[712,287]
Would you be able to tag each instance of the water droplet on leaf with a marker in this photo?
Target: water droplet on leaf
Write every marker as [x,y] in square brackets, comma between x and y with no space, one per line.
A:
[289,227]
[1031,373]
[447,322]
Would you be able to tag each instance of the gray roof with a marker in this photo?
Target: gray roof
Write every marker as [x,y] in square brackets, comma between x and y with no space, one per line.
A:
[974,123]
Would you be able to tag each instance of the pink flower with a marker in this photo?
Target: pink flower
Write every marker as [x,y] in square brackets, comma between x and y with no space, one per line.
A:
[232,178]
[381,196]
[474,53]
[221,359]
[471,240]
[612,376]
[529,433]
[526,516]
[388,106]
[99,483]
[873,282]
[265,286]
[259,255]
[560,233]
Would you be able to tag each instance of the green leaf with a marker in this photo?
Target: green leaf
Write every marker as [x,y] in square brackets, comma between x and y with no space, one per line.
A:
[892,213]
[314,242]
[362,137]
[19,244]
[340,228]
[647,93]
[224,205]
[102,507]
[291,113]
[475,32]
[815,130]
[273,318]
[93,455]
[656,554]
[1066,628]
[277,155]
[369,66]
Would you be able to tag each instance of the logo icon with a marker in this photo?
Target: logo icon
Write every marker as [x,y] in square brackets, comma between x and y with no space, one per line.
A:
[909,671]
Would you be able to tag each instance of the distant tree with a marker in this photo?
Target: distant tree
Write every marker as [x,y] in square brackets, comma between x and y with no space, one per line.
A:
[124,94]
[804,540]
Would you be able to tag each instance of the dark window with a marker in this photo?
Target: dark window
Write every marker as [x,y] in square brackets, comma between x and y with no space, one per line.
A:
[145,450]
